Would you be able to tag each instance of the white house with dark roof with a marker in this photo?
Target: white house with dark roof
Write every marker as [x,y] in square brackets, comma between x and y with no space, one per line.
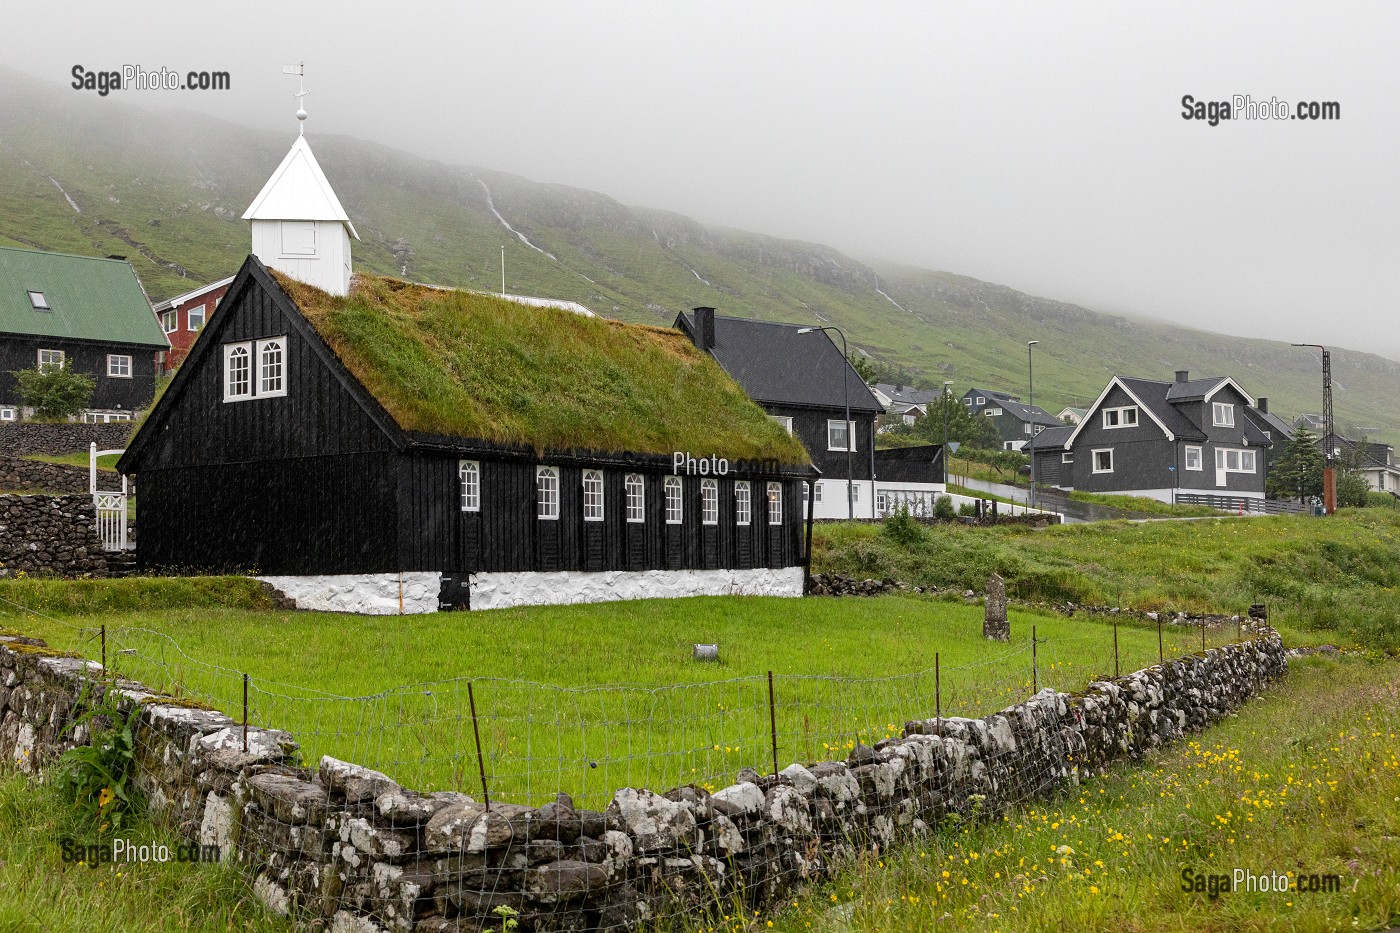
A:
[1145,437]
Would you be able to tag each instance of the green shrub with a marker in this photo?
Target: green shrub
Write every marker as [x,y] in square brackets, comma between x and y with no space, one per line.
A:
[968,508]
[1352,489]
[1381,500]
[97,777]
[943,509]
[54,394]
[901,528]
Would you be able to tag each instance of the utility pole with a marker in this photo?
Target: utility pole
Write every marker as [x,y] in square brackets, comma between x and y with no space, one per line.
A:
[850,430]
[1030,375]
[1329,443]
[947,411]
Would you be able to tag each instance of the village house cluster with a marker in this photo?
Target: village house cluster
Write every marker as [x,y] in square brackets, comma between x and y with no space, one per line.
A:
[295,438]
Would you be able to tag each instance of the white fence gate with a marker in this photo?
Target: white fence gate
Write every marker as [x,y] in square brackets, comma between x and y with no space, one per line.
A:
[110,505]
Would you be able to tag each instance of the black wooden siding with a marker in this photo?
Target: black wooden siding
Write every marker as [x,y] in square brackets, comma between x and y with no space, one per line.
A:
[22,352]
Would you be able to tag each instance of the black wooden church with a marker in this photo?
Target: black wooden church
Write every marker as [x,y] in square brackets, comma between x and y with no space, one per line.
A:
[315,435]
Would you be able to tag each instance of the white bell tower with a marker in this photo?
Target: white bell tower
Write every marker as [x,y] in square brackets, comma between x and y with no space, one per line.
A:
[298,225]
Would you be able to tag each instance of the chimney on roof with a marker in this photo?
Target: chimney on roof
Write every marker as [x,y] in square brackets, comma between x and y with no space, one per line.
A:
[1183,375]
[1263,404]
[705,328]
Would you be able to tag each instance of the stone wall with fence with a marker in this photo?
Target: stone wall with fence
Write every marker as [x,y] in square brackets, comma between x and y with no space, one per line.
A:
[22,438]
[350,846]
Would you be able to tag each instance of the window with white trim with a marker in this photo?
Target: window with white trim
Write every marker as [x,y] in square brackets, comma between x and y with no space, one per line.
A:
[469,477]
[855,491]
[38,301]
[819,491]
[298,238]
[546,493]
[8,414]
[593,495]
[709,502]
[1193,458]
[1233,460]
[992,412]
[775,503]
[170,321]
[1067,457]
[194,319]
[967,402]
[1222,414]
[675,504]
[118,366]
[783,420]
[49,360]
[981,400]
[635,490]
[270,367]
[743,503]
[1103,460]
[882,502]
[840,435]
[238,371]
[1027,427]
[1124,417]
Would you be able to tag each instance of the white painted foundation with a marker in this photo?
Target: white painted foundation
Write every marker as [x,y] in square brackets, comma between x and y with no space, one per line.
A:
[373,594]
[532,588]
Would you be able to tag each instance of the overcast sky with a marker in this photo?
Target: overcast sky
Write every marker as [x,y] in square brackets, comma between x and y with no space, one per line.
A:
[1038,147]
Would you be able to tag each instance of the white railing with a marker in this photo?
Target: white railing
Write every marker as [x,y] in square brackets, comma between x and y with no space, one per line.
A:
[109,504]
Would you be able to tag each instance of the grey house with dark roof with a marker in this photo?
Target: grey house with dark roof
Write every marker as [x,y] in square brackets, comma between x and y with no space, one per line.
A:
[802,381]
[1015,421]
[1143,437]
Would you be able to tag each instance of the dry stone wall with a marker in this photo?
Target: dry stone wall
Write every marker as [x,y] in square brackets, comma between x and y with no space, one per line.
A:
[19,474]
[22,438]
[349,845]
[52,535]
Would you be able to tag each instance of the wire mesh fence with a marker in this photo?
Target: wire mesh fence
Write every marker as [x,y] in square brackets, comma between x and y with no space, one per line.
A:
[524,742]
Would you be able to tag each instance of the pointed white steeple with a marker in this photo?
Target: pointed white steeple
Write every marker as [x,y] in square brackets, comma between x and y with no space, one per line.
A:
[298,225]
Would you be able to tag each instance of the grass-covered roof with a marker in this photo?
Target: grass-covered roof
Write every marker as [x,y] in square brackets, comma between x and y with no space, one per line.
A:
[473,366]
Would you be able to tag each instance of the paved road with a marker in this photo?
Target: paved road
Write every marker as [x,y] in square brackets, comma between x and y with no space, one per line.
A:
[1074,513]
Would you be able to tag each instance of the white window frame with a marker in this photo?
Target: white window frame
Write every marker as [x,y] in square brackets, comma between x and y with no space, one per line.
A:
[1240,455]
[775,503]
[635,490]
[593,495]
[1027,427]
[8,414]
[1222,414]
[832,424]
[991,412]
[231,350]
[170,321]
[297,227]
[1114,418]
[469,480]
[1200,459]
[547,493]
[57,359]
[189,318]
[818,487]
[39,301]
[743,503]
[981,400]
[1067,457]
[266,387]
[967,402]
[1095,461]
[675,500]
[784,420]
[115,365]
[709,502]
[854,487]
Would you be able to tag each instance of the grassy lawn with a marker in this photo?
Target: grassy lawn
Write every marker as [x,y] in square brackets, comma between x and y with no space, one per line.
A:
[44,893]
[1145,505]
[1323,579]
[596,697]
[78,459]
[1305,780]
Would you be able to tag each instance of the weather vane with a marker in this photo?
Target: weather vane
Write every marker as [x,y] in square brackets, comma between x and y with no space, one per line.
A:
[299,69]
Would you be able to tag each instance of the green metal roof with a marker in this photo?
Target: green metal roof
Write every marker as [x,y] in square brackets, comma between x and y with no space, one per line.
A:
[91,299]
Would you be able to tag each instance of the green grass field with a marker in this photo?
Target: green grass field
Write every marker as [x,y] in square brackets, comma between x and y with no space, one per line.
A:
[1323,580]
[596,697]
[80,459]
[1305,780]
[44,893]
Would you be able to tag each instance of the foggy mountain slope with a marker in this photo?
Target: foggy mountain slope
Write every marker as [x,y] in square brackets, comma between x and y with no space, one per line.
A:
[167,191]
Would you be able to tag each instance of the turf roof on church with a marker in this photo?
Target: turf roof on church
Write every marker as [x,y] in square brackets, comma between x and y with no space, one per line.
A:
[474,366]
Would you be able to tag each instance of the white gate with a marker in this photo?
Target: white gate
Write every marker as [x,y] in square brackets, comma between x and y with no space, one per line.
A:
[110,505]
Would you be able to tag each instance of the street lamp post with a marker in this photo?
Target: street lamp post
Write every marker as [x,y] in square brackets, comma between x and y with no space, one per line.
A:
[1329,472]
[850,431]
[1030,375]
[947,411]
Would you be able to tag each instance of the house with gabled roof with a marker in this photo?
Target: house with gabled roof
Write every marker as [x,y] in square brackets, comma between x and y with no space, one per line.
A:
[81,313]
[400,447]
[183,316]
[905,403]
[1015,421]
[1145,437]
